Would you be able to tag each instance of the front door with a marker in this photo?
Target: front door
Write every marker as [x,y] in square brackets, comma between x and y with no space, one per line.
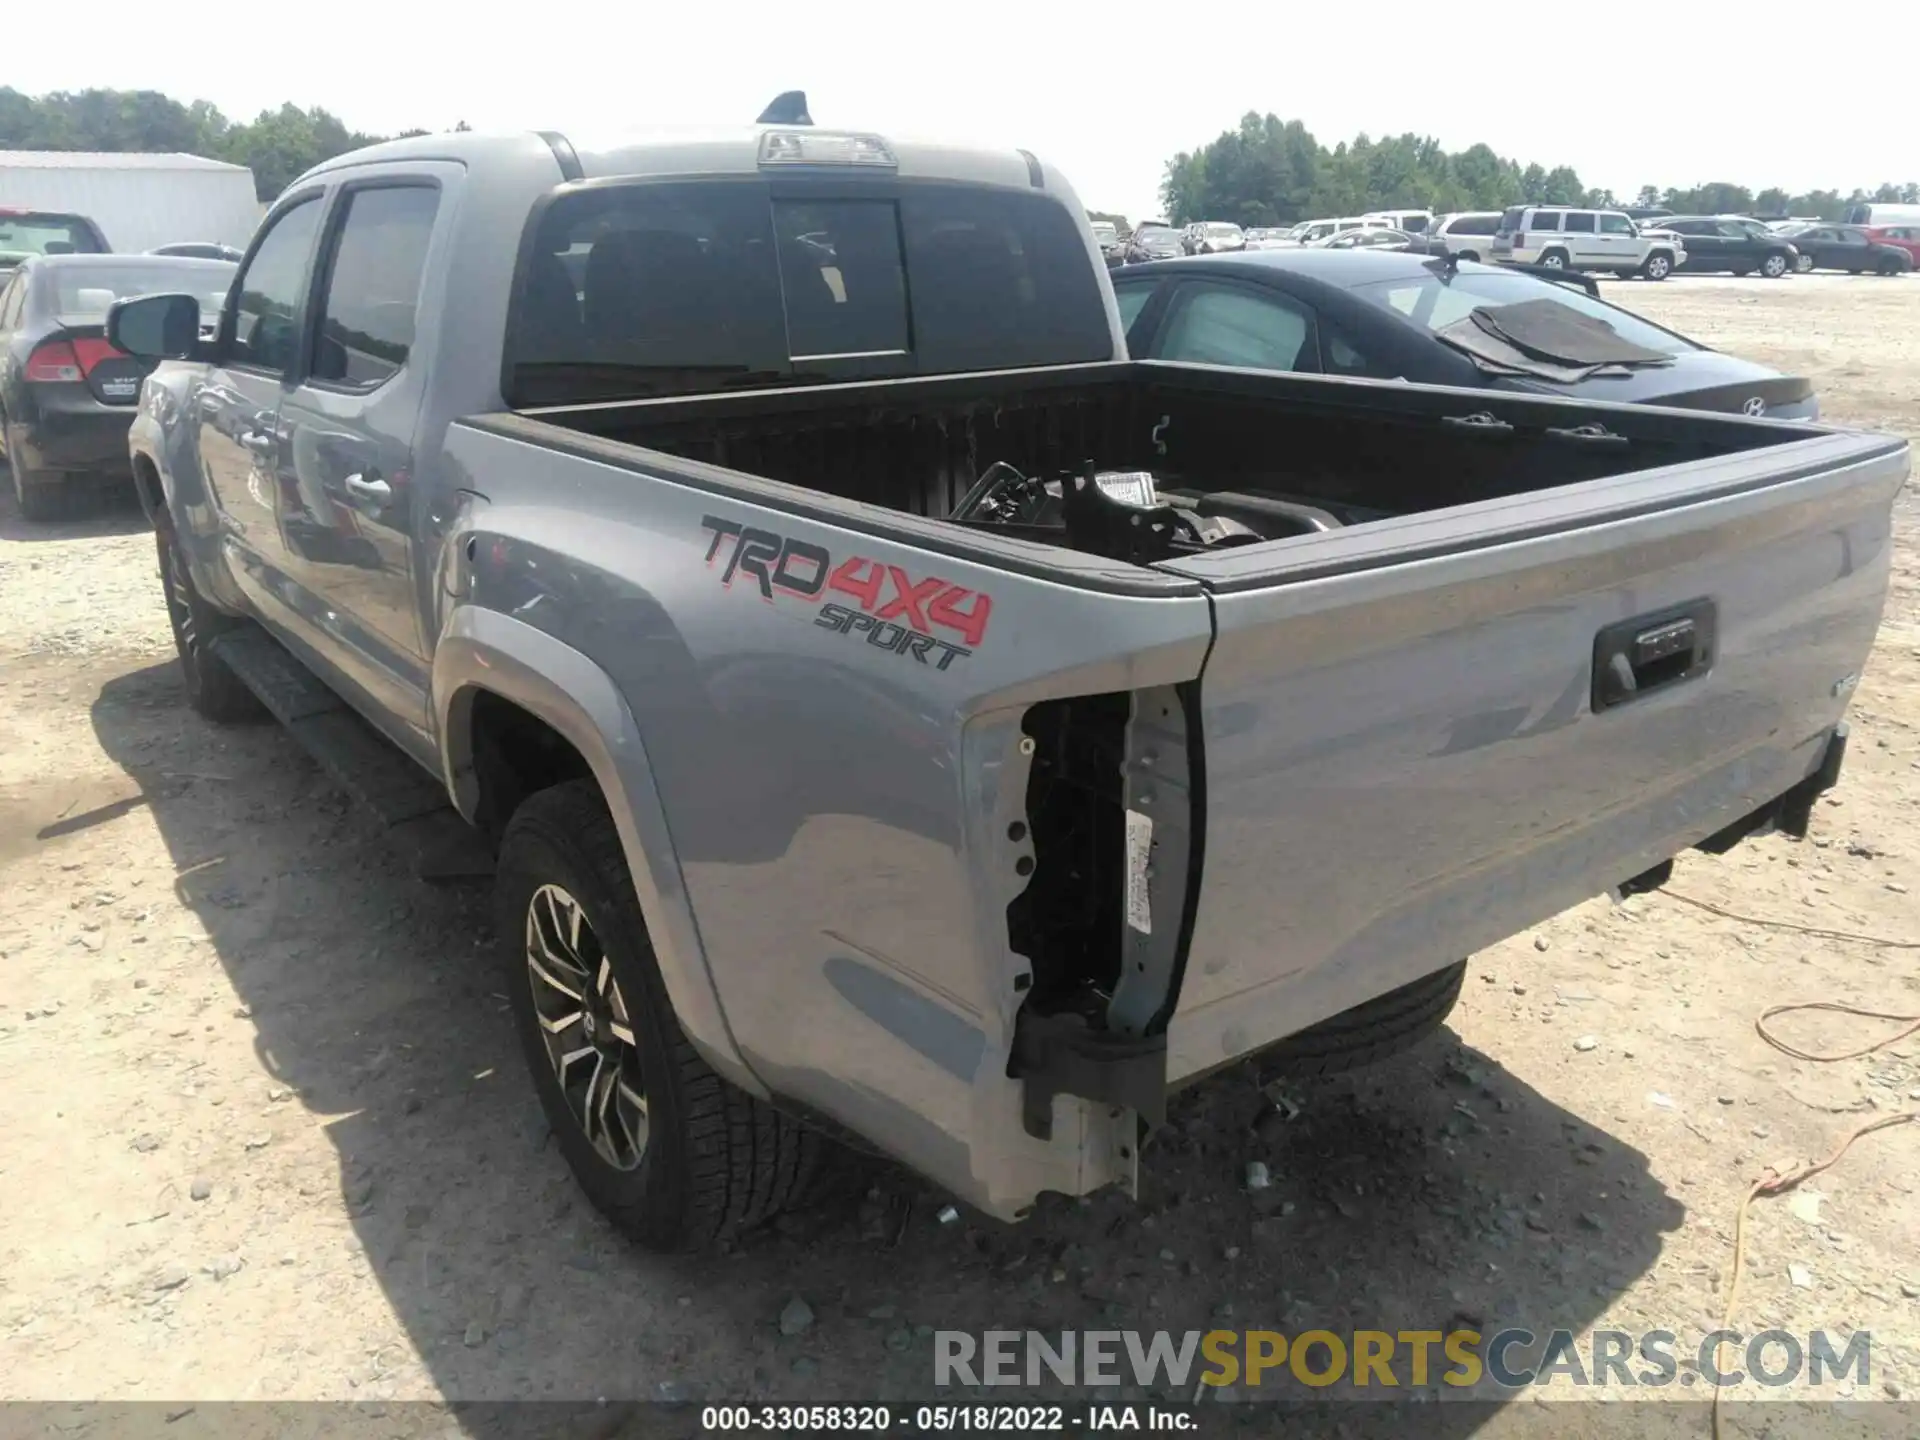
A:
[238,399]
[347,429]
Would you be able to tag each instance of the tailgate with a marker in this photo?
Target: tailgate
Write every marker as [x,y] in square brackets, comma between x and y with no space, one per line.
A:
[1407,754]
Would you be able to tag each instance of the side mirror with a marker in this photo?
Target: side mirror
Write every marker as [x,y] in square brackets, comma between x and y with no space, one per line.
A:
[155,327]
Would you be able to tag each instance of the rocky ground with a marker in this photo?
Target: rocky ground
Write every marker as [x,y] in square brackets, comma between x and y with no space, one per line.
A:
[265,1134]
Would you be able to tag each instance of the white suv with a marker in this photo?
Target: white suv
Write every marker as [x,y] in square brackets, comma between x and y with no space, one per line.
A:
[1562,237]
[1466,236]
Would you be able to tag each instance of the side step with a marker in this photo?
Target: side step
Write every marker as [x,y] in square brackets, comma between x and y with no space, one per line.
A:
[429,833]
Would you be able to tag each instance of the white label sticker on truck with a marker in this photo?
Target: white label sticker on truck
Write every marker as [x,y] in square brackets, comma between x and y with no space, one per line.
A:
[1139,848]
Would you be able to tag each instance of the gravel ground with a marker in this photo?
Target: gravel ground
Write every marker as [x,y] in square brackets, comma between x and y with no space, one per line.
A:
[265,1134]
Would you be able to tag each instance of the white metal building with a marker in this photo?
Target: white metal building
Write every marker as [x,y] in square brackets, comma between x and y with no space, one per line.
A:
[138,201]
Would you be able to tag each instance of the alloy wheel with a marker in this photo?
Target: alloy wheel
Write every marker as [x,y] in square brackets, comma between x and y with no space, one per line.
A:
[586,1027]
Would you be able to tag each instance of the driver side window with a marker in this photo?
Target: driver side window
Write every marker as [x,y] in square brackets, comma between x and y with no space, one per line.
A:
[1222,325]
[272,292]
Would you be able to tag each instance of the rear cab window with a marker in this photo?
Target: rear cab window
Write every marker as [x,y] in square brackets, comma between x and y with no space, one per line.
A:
[33,232]
[683,287]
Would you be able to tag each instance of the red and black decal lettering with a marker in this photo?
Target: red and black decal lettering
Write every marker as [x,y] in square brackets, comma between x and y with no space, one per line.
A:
[892,610]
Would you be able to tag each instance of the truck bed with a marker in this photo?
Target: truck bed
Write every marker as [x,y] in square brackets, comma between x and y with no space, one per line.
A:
[1366,450]
[991,840]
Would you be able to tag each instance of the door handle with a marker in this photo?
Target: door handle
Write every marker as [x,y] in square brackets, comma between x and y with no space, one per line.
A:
[1635,657]
[256,442]
[370,488]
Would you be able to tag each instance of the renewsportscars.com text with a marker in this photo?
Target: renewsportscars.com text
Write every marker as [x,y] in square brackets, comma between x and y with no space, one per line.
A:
[1387,1359]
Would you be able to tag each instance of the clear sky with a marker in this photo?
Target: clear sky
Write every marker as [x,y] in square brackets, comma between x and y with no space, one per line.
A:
[1762,94]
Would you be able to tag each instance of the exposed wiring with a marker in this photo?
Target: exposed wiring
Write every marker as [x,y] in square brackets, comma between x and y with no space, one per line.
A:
[1774,1182]
[1882,941]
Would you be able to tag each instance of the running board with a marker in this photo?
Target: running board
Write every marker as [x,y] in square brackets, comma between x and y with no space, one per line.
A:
[428,832]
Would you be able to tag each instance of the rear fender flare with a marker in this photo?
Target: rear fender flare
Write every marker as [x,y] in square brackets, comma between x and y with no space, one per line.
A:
[483,650]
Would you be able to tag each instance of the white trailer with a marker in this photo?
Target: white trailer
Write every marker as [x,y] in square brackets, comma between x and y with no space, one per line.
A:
[138,201]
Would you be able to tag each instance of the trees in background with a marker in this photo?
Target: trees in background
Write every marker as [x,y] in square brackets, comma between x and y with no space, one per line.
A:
[276,145]
[1273,172]
[1267,172]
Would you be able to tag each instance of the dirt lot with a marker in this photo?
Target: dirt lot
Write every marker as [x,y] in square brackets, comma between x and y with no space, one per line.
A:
[264,1131]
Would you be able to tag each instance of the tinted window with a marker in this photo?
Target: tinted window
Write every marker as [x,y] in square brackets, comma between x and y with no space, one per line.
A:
[1730,231]
[1132,300]
[1510,221]
[266,327]
[679,288]
[1474,225]
[1580,222]
[31,233]
[373,285]
[1436,303]
[1550,220]
[1216,325]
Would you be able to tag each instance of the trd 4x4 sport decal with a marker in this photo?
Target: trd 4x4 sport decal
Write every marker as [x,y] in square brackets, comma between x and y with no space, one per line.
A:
[893,610]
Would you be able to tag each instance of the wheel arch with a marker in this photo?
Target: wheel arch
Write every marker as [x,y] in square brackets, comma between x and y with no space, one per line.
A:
[499,679]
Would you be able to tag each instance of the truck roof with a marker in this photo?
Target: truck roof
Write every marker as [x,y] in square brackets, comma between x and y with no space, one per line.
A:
[727,150]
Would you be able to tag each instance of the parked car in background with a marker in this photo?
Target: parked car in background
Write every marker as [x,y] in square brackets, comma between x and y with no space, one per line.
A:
[1603,241]
[1368,239]
[1271,237]
[201,250]
[1414,222]
[67,397]
[1309,231]
[1218,237]
[1390,316]
[1732,244]
[1153,241]
[1467,235]
[1906,237]
[1850,248]
[1105,233]
[25,233]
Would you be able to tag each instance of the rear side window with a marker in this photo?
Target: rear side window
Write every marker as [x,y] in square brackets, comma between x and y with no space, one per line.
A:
[1219,325]
[1580,223]
[1474,225]
[1546,220]
[685,287]
[372,291]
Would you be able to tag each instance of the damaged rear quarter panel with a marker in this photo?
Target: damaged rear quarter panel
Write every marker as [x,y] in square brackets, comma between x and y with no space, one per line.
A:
[839,780]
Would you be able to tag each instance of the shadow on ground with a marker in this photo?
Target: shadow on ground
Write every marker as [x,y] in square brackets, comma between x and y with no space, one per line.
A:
[96,509]
[1433,1192]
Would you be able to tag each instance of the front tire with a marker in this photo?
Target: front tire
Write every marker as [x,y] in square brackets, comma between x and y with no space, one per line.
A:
[212,688]
[1774,267]
[1658,266]
[672,1154]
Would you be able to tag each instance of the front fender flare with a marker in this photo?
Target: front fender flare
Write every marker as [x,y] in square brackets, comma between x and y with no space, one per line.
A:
[484,650]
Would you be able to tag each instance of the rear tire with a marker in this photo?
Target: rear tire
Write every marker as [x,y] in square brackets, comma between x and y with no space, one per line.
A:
[212,688]
[1468,255]
[1774,266]
[672,1154]
[1658,266]
[1554,259]
[39,493]
[1887,267]
[1372,1031]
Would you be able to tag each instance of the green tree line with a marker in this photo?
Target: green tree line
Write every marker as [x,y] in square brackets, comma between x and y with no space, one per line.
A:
[1274,172]
[277,145]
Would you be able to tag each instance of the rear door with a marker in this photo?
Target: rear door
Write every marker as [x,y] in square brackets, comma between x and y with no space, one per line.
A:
[1412,749]
[347,433]
[1585,244]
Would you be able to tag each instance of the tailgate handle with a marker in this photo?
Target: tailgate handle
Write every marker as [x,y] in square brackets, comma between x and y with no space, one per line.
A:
[1651,652]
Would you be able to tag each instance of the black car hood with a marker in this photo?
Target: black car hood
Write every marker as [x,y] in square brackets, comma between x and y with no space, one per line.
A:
[1696,380]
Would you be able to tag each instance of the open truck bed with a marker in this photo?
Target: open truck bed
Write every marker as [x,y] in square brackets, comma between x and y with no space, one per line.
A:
[991,840]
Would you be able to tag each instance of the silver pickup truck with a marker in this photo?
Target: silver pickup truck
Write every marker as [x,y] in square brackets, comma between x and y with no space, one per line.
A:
[894,717]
